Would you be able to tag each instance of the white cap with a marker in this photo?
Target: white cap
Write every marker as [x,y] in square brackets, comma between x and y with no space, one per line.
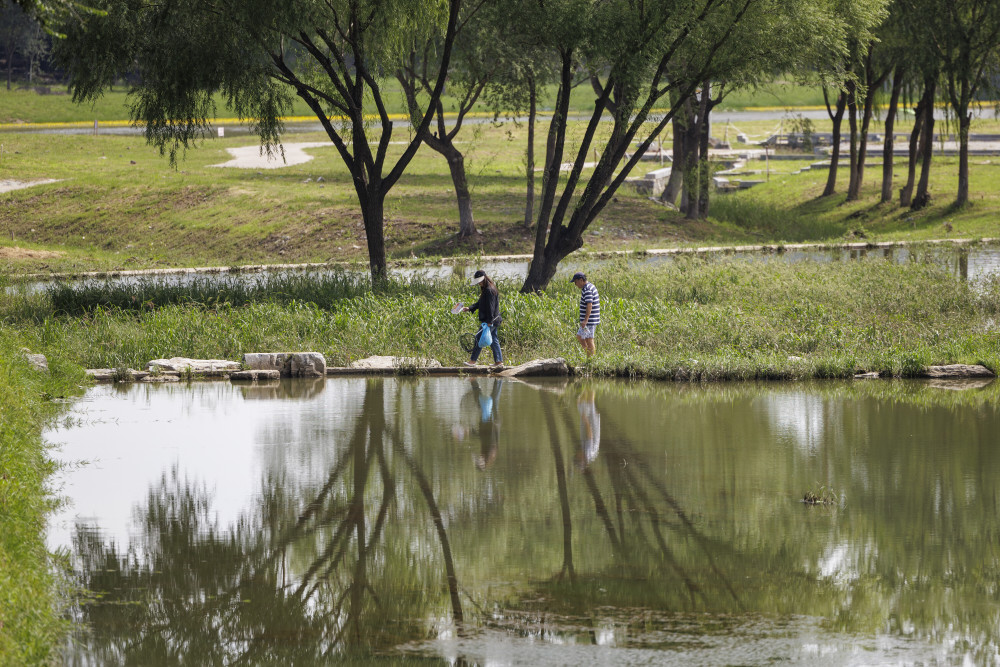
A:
[476,281]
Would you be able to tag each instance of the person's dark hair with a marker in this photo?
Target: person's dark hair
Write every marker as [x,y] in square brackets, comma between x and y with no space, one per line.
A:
[487,281]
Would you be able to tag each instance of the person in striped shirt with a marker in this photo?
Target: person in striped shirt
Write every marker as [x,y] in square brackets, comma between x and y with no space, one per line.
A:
[590,313]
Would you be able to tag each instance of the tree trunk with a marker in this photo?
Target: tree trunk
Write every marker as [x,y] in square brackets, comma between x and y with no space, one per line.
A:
[689,173]
[373,214]
[456,164]
[704,167]
[923,196]
[888,146]
[837,118]
[866,120]
[964,120]
[852,120]
[673,188]
[529,201]
[542,267]
[906,192]
[539,276]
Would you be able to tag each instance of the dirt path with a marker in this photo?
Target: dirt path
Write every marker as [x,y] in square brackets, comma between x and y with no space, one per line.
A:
[7,186]
[15,252]
[250,157]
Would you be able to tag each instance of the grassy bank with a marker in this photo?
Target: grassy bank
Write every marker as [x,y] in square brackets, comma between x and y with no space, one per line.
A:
[690,319]
[119,205]
[30,604]
[686,320]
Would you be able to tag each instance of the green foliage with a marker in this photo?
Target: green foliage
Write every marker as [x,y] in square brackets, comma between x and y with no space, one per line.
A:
[31,622]
[804,130]
[687,320]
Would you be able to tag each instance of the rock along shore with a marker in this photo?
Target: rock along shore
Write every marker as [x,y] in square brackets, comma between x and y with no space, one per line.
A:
[271,366]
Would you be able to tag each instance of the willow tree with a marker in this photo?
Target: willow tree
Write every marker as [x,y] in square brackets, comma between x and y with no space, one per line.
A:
[257,54]
[965,36]
[843,70]
[52,12]
[479,64]
[627,48]
[775,37]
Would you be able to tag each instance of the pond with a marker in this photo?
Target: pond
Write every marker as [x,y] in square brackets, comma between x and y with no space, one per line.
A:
[971,264]
[486,521]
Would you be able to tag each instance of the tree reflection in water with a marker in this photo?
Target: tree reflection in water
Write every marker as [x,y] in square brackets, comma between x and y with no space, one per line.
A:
[294,583]
[568,534]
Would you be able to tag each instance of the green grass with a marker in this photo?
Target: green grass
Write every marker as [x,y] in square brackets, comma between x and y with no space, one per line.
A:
[25,105]
[690,319]
[789,208]
[782,94]
[31,622]
[119,205]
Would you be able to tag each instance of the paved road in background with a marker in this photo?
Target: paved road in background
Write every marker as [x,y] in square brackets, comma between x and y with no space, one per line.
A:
[719,118]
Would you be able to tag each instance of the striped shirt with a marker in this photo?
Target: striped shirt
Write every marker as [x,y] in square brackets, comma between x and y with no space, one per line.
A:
[590,295]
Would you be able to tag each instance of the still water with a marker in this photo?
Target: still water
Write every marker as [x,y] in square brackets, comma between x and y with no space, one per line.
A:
[970,264]
[497,522]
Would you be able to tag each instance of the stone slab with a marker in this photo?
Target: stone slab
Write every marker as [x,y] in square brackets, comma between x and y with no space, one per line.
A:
[434,370]
[539,367]
[108,374]
[160,379]
[392,363]
[288,364]
[198,366]
[957,371]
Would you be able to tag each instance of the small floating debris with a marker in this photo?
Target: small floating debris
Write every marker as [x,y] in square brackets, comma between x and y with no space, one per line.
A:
[823,496]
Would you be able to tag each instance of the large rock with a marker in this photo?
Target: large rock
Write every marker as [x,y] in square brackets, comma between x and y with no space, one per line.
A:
[197,366]
[957,371]
[538,367]
[117,374]
[37,361]
[288,364]
[162,378]
[391,363]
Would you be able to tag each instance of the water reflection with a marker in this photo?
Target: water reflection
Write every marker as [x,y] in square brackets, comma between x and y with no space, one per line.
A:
[974,264]
[302,389]
[488,427]
[603,521]
[590,429]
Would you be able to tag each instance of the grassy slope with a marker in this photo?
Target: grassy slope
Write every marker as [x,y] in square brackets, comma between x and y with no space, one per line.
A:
[120,205]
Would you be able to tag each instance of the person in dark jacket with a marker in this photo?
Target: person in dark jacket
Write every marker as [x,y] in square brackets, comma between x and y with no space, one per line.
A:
[489,314]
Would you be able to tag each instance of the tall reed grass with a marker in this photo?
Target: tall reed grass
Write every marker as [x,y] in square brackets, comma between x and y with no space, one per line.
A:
[235,290]
[690,319]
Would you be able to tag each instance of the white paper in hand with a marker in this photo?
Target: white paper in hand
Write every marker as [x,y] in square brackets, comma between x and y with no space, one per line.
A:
[457,309]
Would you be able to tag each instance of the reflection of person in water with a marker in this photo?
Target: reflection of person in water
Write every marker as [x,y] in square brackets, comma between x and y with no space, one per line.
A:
[590,429]
[489,423]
